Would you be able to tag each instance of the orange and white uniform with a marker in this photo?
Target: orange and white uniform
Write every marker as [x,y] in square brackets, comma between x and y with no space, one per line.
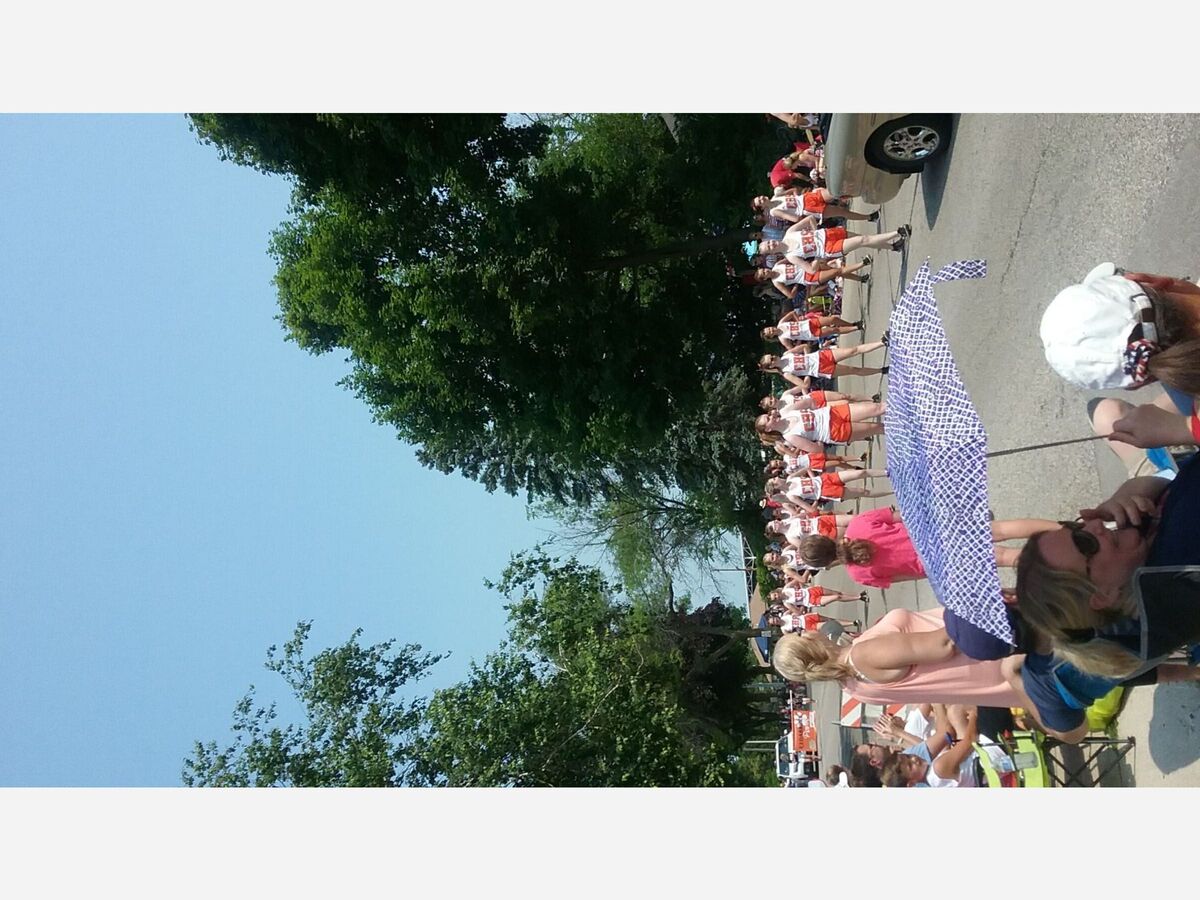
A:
[821,487]
[800,364]
[794,462]
[804,596]
[821,243]
[806,329]
[794,623]
[798,529]
[827,425]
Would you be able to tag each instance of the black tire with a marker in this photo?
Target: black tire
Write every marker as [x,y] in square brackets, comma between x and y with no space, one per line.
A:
[906,145]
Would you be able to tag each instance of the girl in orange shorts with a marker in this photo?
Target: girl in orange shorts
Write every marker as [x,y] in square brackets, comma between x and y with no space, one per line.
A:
[817,202]
[824,362]
[794,623]
[793,530]
[788,277]
[794,328]
[798,398]
[796,598]
[806,491]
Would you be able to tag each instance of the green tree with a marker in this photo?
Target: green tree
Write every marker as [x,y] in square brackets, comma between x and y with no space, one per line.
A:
[520,302]
[592,690]
[358,731]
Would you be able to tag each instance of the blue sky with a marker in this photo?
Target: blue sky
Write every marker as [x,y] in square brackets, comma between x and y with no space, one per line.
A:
[180,484]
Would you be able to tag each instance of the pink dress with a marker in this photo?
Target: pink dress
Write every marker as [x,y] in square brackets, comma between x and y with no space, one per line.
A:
[895,557]
[958,679]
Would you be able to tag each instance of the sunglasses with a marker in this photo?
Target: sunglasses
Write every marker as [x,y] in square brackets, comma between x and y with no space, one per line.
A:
[1085,542]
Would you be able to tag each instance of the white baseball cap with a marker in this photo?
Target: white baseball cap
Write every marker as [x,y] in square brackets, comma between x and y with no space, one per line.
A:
[1087,327]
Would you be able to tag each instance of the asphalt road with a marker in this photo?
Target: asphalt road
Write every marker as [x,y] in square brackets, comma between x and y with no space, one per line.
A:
[1044,199]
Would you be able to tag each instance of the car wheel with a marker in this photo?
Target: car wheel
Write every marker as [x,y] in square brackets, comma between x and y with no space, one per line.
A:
[905,145]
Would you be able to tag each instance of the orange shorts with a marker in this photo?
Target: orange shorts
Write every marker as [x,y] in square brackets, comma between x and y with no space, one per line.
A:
[817,461]
[834,239]
[815,595]
[812,621]
[825,363]
[827,527]
[814,203]
[839,422]
[818,398]
[814,324]
[832,487]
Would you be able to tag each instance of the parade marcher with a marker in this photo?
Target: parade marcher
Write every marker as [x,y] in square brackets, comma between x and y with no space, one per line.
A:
[795,623]
[806,490]
[792,461]
[809,429]
[802,398]
[817,203]
[800,599]
[794,328]
[793,529]
[826,363]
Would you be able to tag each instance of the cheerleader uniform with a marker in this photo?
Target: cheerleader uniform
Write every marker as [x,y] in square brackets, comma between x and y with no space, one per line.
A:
[799,529]
[823,487]
[807,328]
[820,363]
[795,623]
[827,425]
[804,596]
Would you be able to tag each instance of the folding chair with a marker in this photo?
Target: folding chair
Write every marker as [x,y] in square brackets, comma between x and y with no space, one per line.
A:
[1077,773]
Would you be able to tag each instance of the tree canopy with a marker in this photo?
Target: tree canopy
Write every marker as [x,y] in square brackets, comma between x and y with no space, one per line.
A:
[358,729]
[589,689]
[519,300]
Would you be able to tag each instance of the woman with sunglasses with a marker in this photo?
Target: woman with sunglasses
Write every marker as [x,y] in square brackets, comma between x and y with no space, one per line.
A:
[1106,599]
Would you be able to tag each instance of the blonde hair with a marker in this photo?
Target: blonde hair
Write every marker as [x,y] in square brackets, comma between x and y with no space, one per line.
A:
[1055,603]
[809,657]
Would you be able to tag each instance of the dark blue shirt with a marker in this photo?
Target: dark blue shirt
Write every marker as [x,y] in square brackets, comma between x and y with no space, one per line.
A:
[1059,690]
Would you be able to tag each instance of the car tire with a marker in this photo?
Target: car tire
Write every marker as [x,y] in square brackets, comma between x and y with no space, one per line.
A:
[906,145]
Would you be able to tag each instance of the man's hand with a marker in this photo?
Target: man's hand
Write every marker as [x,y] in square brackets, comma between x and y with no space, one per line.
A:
[1151,426]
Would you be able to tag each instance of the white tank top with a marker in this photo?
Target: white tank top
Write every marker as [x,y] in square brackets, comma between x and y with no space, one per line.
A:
[809,423]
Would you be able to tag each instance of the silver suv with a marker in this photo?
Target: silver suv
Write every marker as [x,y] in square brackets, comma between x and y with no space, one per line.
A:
[869,155]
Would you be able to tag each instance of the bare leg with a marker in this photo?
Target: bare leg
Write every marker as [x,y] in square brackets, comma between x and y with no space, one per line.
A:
[832,209]
[1108,411]
[843,353]
[868,410]
[861,474]
[852,491]
[855,370]
[835,397]
[839,329]
[858,241]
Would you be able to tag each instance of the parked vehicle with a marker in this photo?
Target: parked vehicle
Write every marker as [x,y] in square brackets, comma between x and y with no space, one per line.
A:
[869,155]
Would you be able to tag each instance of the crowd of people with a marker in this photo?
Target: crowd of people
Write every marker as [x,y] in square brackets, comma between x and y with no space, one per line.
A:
[1109,600]
[800,261]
